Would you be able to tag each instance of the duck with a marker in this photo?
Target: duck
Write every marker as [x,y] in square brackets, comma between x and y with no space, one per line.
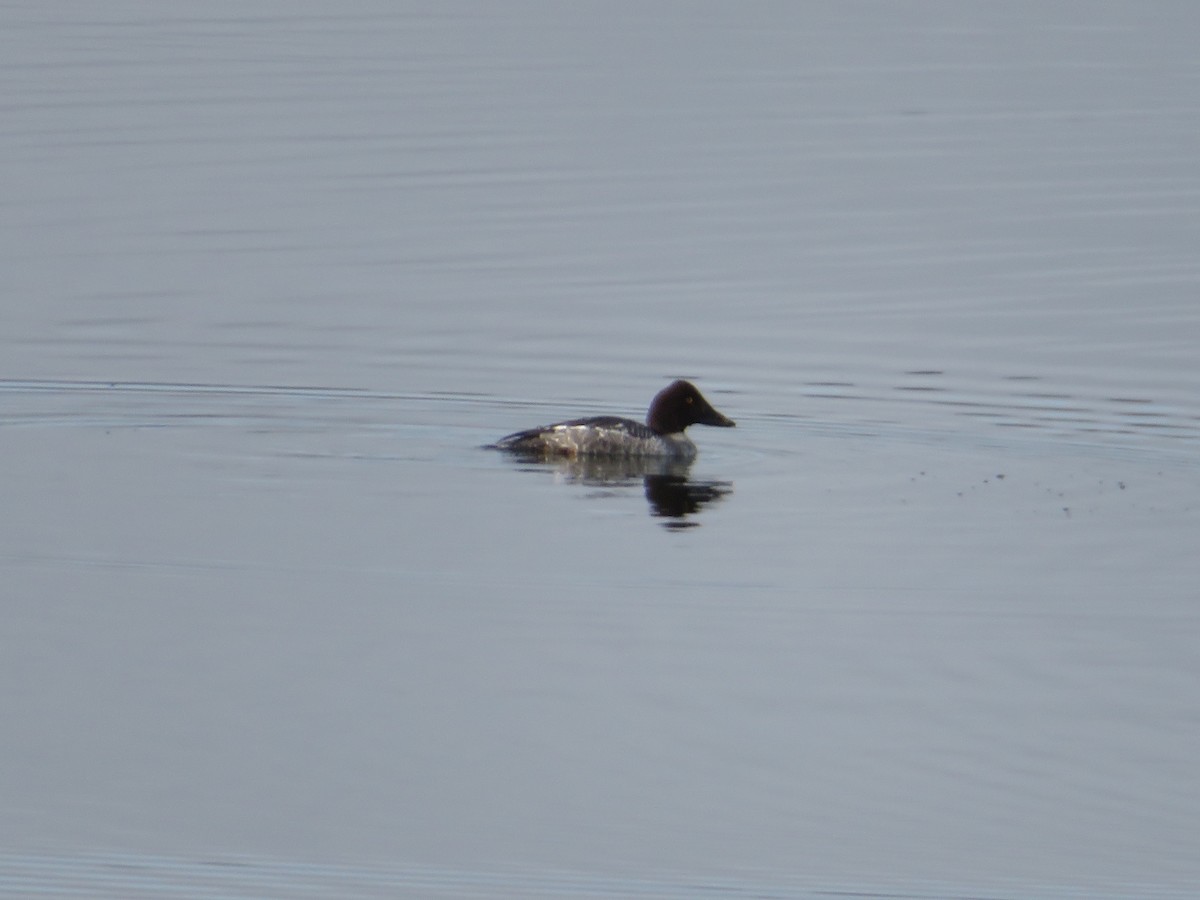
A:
[663,435]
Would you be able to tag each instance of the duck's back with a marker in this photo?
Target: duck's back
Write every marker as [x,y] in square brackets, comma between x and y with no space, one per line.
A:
[596,436]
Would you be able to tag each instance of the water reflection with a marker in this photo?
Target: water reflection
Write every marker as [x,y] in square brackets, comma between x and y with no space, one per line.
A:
[671,492]
[676,497]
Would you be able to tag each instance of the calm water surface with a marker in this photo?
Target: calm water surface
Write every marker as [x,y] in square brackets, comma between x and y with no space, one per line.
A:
[924,624]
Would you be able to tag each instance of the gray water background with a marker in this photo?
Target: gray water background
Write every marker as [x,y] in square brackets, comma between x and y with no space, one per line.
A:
[274,624]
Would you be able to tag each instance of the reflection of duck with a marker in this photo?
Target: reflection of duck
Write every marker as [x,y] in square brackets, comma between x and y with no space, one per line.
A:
[675,497]
[672,410]
[671,494]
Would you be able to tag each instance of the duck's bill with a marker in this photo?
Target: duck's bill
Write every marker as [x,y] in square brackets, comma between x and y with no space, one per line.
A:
[720,421]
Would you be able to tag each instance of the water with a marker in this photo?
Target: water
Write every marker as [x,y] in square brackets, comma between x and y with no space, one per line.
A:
[923,624]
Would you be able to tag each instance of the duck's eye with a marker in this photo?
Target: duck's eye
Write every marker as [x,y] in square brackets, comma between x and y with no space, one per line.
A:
[688,400]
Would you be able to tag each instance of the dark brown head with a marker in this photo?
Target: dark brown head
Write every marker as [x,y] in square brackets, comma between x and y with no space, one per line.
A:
[679,405]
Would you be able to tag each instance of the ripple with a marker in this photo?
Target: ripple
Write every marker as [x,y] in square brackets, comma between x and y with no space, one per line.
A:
[130,876]
[920,405]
